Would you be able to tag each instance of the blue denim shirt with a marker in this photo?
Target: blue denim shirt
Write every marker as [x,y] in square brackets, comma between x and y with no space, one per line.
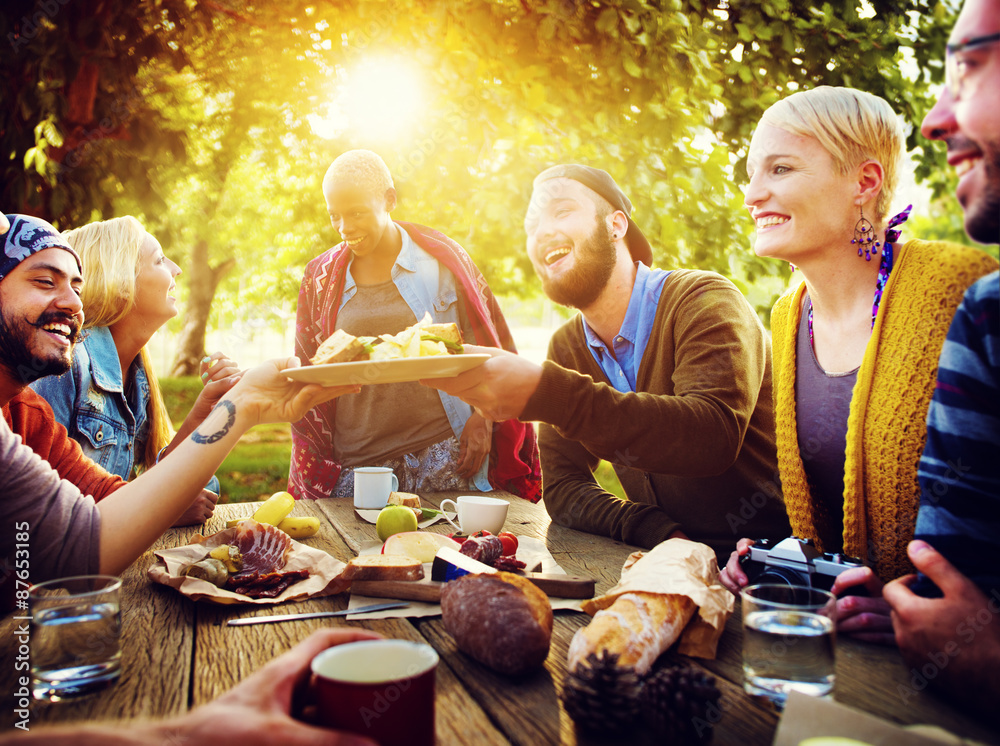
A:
[91,402]
[629,345]
[427,287]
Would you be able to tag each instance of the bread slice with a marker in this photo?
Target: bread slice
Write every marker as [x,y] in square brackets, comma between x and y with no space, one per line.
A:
[384,567]
[405,498]
[340,347]
[450,334]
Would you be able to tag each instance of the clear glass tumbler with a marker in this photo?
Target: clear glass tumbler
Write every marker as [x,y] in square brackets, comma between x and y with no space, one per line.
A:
[75,630]
[789,641]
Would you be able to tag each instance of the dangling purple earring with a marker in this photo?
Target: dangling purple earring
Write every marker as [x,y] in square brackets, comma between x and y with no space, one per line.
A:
[864,237]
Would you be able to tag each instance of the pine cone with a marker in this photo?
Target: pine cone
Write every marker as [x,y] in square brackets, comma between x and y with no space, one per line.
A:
[681,703]
[602,696]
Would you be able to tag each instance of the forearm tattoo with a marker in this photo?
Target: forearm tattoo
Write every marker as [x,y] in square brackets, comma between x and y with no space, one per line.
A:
[222,431]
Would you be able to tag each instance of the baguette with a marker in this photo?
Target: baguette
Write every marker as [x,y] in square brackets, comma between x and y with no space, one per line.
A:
[637,627]
[384,567]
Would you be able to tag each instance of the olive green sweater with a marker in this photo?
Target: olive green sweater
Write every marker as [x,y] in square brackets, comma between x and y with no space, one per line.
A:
[693,446]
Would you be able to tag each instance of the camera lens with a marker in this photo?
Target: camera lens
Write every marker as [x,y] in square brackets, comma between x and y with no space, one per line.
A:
[787,577]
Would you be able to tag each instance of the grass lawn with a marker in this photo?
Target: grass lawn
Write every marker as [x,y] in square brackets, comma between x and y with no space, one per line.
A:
[258,465]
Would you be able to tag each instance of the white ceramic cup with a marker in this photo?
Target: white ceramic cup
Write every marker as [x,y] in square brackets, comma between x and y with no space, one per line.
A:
[478,513]
[372,485]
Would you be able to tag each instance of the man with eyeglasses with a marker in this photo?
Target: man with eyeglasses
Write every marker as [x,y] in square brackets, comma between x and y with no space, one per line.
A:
[947,619]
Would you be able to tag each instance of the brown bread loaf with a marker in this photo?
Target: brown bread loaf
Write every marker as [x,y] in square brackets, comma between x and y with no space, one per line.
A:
[500,619]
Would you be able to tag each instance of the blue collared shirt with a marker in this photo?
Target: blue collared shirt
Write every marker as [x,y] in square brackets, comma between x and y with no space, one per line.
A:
[427,286]
[630,341]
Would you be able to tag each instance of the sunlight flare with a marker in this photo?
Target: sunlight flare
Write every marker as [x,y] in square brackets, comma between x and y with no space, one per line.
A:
[379,99]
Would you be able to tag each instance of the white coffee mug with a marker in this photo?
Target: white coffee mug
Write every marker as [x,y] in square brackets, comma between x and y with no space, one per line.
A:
[478,513]
[372,485]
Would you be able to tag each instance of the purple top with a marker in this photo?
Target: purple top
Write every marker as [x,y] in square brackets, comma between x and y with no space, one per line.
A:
[822,405]
[50,530]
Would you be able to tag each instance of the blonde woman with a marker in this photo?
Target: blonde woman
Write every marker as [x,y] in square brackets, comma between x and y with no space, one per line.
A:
[856,344]
[110,402]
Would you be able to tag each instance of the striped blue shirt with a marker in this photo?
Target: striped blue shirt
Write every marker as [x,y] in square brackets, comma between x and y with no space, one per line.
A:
[960,468]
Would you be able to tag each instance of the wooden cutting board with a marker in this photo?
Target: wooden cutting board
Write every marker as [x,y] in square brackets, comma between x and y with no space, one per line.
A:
[556,585]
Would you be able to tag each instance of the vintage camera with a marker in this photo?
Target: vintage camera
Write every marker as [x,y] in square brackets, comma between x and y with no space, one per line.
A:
[796,562]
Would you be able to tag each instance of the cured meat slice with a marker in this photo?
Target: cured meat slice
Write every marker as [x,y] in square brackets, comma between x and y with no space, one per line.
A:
[264,548]
[269,585]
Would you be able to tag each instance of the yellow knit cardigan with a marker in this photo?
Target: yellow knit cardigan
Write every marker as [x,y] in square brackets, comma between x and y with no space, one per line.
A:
[887,424]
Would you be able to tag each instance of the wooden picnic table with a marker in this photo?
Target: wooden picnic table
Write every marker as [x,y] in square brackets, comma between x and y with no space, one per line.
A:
[176,654]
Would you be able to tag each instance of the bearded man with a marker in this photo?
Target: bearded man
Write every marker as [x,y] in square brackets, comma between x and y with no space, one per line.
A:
[666,374]
[40,320]
[938,616]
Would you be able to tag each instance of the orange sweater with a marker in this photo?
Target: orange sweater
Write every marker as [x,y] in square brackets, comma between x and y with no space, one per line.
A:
[31,417]
[887,425]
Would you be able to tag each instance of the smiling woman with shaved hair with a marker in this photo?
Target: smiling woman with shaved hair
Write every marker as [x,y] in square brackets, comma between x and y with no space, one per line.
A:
[383,277]
[856,343]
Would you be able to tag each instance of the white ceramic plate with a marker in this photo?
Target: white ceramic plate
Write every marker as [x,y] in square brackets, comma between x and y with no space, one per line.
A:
[398,370]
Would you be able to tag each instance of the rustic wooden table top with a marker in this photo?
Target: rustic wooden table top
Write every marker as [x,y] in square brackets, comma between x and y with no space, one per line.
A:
[176,654]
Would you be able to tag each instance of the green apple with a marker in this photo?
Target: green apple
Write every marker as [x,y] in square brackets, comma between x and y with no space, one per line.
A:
[395,519]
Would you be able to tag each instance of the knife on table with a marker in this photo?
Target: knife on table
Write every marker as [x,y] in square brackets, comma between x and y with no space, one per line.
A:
[313,614]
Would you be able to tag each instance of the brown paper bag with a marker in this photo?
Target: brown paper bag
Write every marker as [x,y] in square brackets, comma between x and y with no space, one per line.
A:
[684,568]
[325,572]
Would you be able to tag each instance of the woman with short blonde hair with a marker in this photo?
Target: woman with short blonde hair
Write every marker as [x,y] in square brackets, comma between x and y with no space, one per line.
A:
[856,343]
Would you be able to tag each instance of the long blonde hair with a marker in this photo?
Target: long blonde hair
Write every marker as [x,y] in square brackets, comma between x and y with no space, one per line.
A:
[110,251]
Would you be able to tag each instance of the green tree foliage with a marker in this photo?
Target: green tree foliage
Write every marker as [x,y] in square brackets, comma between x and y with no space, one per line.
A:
[76,126]
[219,158]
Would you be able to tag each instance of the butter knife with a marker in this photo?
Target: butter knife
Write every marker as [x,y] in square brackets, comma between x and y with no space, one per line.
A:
[313,615]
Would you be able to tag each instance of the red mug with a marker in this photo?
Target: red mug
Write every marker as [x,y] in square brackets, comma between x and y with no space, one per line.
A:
[381,689]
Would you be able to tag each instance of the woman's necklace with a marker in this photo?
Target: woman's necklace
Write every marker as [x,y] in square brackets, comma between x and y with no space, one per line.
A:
[884,268]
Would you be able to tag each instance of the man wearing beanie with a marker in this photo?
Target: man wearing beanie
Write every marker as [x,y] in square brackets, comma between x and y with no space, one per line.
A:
[666,374]
[40,320]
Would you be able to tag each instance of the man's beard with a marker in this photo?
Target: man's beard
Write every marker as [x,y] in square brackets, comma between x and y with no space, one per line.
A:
[16,356]
[982,215]
[594,261]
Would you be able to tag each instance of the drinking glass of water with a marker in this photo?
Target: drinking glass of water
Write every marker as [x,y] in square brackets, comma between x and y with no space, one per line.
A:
[789,635]
[75,629]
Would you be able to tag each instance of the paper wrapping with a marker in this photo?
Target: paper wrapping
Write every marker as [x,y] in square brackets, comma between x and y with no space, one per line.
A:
[684,568]
[325,572]
[813,717]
